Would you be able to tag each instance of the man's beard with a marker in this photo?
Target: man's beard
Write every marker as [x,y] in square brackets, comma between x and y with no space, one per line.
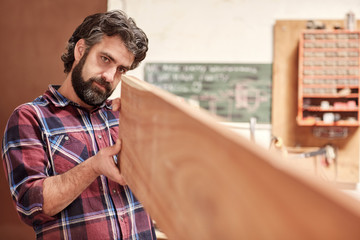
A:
[85,90]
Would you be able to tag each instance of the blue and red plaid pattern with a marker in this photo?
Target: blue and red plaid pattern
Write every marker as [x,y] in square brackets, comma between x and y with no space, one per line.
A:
[51,135]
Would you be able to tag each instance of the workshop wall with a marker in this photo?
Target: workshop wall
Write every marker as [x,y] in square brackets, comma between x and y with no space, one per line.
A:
[222,31]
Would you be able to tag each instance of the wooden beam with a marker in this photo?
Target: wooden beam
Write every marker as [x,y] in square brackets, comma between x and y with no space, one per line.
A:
[199,180]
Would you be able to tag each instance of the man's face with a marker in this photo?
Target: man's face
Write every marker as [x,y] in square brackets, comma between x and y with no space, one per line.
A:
[99,71]
[90,95]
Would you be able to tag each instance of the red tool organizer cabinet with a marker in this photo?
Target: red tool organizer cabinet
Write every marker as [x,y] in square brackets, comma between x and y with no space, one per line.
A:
[328,83]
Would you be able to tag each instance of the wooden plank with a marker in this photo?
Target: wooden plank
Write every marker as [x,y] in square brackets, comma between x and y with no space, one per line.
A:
[199,180]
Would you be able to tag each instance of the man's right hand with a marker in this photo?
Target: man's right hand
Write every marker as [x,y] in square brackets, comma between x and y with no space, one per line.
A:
[103,163]
[60,190]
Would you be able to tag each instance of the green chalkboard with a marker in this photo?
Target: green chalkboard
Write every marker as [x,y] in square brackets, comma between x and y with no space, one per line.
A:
[235,92]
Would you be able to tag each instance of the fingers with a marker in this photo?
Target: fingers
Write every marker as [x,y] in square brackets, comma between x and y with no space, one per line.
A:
[114,149]
[116,176]
[116,104]
[107,165]
[121,180]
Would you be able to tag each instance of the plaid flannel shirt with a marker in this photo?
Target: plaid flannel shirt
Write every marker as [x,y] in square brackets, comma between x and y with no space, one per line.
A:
[50,136]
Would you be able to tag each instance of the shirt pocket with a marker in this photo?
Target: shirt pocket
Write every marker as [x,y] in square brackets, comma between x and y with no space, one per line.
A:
[67,151]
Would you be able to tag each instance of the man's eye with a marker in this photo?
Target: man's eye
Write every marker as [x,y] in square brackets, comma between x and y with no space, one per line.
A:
[104,59]
[122,70]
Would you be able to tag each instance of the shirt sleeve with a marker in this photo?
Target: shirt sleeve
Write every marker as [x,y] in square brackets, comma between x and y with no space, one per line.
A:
[26,163]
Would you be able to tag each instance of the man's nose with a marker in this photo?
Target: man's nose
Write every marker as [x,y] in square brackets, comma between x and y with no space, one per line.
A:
[109,74]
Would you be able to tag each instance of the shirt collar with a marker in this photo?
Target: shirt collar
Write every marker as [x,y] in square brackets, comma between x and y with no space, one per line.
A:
[59,100]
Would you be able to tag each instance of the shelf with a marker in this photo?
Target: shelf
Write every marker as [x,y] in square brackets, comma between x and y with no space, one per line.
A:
[341,123]
[353,95]
[330,85]
[329,77]
[331,109]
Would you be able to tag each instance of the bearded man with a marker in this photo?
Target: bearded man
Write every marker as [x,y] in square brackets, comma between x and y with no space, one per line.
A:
[60,150]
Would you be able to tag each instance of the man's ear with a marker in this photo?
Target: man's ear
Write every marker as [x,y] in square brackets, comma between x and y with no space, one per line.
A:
[79,50]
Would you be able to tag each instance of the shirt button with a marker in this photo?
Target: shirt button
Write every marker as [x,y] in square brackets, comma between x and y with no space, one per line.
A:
[114,191]
[121,218]
[66,138]
[99,136]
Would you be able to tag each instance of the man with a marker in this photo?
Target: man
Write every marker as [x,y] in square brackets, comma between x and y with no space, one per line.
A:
[60,150]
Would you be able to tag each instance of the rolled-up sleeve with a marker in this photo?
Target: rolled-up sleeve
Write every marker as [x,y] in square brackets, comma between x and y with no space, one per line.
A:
[26,164]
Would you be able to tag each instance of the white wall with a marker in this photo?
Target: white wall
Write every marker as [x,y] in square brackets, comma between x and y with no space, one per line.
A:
[221,31]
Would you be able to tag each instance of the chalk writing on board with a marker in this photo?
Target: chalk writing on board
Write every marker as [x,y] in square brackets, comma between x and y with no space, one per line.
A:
[235,92]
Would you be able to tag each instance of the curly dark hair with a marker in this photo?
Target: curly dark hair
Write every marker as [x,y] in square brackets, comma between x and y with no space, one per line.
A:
[111,23]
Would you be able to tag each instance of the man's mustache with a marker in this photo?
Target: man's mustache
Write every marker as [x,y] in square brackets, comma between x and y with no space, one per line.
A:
[102,82]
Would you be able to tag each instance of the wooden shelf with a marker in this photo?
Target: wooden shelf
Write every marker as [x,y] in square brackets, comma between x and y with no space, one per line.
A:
[330,86]
[329,63]
[353,95]
[342,123]
[331,109]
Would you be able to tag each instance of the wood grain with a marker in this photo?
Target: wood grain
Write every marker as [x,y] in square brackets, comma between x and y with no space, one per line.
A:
[199,180]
